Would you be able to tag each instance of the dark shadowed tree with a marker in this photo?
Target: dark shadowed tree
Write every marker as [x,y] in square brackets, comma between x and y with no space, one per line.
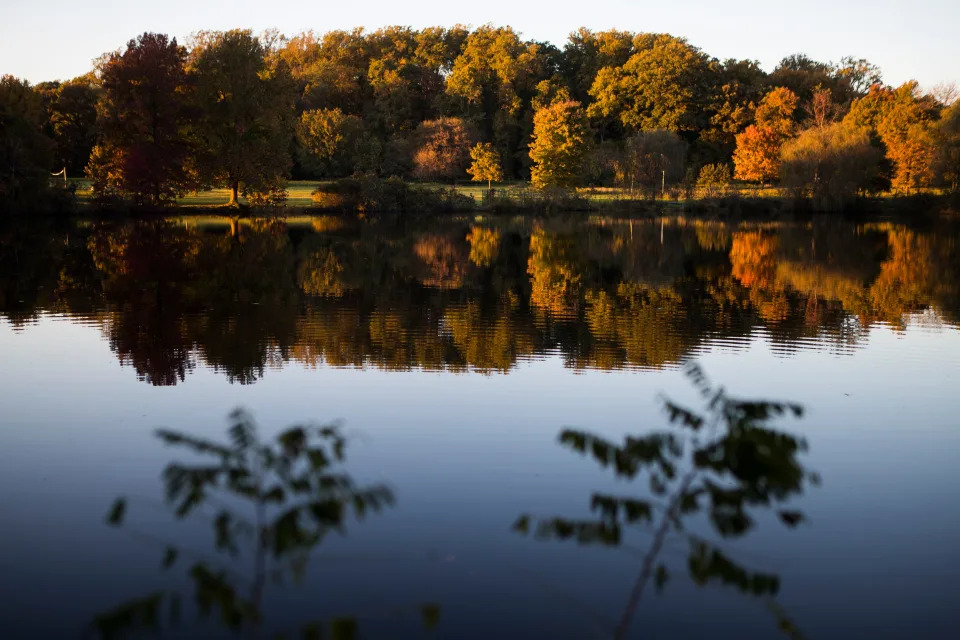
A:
[25,152]
[948,162]
[142,150]
[830,164]
[247,115]
[71,122]
[327,142]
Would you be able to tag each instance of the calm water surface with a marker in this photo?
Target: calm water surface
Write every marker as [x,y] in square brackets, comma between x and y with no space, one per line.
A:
[451,355]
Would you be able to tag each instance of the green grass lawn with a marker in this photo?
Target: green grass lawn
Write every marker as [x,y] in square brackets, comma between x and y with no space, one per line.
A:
[299,192]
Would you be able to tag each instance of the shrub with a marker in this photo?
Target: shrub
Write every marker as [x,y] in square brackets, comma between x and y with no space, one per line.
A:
[829,165]
[714,179]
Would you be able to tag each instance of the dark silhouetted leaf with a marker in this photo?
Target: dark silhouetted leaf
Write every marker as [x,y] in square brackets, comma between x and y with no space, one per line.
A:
[430,615]
[117,512]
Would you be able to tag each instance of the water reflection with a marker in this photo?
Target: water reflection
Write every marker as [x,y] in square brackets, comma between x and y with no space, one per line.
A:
[270,505]
[725,463]
[471,294]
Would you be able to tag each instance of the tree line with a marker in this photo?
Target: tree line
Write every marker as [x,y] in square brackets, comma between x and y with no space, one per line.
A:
[157,119]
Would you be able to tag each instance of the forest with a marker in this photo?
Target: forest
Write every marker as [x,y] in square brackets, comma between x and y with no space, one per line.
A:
[645,113]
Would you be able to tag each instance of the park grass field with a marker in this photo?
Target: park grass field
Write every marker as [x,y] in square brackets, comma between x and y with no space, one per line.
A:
[299,195]
[299,192]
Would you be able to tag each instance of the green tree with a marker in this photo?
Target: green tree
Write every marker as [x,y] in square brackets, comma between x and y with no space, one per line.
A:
[559,144]
[72,122]
[741,85]
[327,141]
[493,82]
[666,84]
[714,177]
[247,115]
[486,164]
[143,147]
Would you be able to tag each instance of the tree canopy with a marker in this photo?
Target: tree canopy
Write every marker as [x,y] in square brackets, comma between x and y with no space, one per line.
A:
[245,112]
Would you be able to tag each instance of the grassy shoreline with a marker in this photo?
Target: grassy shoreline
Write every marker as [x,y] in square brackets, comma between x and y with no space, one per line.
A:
[747,201]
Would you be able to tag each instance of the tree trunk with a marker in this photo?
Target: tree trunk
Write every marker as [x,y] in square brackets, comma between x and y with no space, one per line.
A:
[234,194]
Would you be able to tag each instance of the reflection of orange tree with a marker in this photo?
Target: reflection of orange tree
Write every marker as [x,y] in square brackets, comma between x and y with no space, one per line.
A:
[905,278]
[753,258]
[444,260]
[753,262]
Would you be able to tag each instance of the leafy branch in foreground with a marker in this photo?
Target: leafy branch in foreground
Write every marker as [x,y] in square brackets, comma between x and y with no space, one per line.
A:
[725,461]
[272,501]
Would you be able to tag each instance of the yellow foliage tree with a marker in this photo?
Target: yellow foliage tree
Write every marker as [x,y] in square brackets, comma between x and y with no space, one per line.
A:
[486,164]
[559,145]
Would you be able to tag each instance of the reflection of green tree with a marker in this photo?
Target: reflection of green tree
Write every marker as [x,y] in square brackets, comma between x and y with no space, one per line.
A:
[726,462]
[271,503]
[492,343]
[641,326]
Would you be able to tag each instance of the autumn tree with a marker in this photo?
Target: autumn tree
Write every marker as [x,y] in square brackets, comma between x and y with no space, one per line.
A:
[247,118]
[329,70]
[829,164]
[25,152]
[948,161]
[906,128]
[586,52]
[327,142]
[143,148]
[665,84]
[741,85]
[757,157]
[485,165]
[492,83]
[442,149]
[821,110]
[802,75]
[559,144]
[903,120]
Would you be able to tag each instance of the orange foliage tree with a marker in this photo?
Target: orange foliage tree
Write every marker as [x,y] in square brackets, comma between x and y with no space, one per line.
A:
[442,149]
[757,157]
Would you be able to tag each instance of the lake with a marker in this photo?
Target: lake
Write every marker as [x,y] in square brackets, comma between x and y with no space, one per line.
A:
[436,363]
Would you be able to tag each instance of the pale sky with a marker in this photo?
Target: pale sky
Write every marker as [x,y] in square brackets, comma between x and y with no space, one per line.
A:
[919,39]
